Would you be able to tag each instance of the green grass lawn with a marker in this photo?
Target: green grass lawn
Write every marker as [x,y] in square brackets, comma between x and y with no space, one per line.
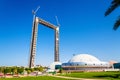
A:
[34,78]
[93,75]
[98,75]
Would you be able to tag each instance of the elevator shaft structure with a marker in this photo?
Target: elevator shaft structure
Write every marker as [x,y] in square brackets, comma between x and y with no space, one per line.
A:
[36,21]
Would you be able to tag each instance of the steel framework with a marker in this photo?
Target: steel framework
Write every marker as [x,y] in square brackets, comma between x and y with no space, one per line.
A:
[36,21]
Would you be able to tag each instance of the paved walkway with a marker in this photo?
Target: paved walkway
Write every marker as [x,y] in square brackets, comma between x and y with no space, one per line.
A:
[73,78]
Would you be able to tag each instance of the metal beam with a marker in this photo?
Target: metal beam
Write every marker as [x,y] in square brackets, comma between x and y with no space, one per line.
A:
[45,23]
[33,43]
[56,52]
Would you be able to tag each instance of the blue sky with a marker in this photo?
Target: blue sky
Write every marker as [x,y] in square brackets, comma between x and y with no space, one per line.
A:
[84,30]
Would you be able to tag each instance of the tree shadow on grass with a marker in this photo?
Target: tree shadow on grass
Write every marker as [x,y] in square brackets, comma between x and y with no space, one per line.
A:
[116,76]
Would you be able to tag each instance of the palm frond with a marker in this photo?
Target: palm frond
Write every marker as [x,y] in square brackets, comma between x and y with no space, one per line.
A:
[114,5]
[115,1]
[117,24]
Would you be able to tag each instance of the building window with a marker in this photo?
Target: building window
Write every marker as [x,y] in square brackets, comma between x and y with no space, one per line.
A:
[85,64]
[57,66]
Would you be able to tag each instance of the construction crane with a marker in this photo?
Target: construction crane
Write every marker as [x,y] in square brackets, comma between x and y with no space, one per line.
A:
[36,21]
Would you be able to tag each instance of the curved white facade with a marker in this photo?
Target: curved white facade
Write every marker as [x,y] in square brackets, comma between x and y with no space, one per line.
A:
[84,58]
[53,65]
[84,62]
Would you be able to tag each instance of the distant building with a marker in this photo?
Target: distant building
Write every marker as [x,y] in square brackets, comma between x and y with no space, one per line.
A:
[85,62]
[112,62]
[116,65]
[55,66]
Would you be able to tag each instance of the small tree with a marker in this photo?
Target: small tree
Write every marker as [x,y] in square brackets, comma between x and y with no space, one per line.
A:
[1,69]
[60,70]
[40,68]
[6,70]
[20,70]
[14,70]
[36,69]
[28,70]
[32,69]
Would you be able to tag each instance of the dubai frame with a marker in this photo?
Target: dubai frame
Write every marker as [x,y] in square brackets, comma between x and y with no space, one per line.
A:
[36,21]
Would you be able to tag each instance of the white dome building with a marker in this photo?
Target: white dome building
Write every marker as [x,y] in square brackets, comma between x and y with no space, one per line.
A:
[85,62]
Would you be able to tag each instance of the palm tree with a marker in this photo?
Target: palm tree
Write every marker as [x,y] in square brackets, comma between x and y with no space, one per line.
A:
[114,4]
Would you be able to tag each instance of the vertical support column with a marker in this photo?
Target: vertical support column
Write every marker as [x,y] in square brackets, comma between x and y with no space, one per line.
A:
[56,54]
[33,42]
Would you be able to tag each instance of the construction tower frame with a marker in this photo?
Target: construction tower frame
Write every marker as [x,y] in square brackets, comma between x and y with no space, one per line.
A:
[36,21]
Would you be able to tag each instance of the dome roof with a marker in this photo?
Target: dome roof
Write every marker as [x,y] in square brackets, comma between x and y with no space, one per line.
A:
[84,58]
